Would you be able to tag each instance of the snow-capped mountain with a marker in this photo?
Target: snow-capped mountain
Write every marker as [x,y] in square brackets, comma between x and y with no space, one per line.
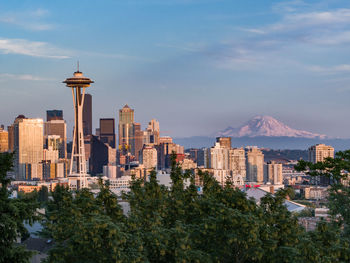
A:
[267,126]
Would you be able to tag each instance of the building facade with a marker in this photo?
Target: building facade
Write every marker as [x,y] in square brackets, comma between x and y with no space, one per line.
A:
[319,152]
[126,130]
[107,131]
[255,165]
[87,115]
[28,146]
[4,140]
[274,173]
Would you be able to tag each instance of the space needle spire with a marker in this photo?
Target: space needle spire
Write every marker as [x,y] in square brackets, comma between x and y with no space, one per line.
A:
[77,172]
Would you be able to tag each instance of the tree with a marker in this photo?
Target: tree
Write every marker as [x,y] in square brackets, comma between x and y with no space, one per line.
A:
[178,224]
[333,237]
[88,228]
[43,195]
[13,213]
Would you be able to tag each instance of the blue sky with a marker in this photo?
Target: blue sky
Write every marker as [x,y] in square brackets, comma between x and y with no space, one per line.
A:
[197,66]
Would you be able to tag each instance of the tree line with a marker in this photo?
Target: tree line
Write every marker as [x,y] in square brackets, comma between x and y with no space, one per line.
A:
[179,224]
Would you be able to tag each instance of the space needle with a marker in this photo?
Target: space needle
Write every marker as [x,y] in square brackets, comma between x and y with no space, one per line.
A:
[77,172]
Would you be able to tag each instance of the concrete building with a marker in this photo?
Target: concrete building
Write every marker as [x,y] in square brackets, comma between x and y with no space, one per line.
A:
[139,134]
[4,140]
[237,162]
[126,130]
[50,155]
[319,152]
[28,145]
[87,115]
[274,173]
[151,134]
[165,149]
[107,131]
[255,165]
[219,157]
[56,128]
[224,142]
[149,157]
[188,164]
[54,115]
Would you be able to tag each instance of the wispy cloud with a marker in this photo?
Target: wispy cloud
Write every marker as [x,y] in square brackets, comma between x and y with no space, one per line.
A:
[330,70]
[298,30]
[31,48]
[30,20]
[8,76]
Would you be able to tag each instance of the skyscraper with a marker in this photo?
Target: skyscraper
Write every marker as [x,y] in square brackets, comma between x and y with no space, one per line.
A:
[219,157]
[4,140]
[28,146]
[107,131]
[274,172]
[319,152]
[59,128]
[54,115]
[126,130]
[11,133]
[255,165]
[151,134]
[87,115]
[224,142]
[77,172]
[237,162]
[149,157]
[138,133]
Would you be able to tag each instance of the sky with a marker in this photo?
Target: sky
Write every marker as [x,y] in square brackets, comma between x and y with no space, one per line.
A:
[197,66]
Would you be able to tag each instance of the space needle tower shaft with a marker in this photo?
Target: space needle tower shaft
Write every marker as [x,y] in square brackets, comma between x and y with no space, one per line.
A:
[77,172]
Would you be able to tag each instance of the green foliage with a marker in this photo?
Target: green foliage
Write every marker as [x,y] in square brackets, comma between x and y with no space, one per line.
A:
[43,195]
[337,170]
[181,225]
[13,212]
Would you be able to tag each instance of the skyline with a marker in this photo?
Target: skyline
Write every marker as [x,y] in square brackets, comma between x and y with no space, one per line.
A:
[220,64]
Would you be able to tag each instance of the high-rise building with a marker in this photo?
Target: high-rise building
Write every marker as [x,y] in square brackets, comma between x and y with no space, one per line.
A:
[319,152]
[87,115]
[99,155]
[4,140]
[274,173]
[57,128]
[224,142]
[54,115]
[219,157]
[107,131]
[255,165]
[149,157]
[11,133]
[165,149]
[28,146]
[237,163]
[151,134]
[138,134]
[126,130]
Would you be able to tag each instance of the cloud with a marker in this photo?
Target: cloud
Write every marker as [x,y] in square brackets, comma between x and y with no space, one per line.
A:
[6,76]
[30,20]
[330,70]
[31,48]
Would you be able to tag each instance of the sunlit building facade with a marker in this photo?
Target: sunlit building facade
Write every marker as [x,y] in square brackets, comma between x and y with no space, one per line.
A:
[28,146]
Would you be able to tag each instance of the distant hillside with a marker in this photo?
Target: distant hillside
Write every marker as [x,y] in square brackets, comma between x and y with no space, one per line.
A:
[270,155]
[265,142]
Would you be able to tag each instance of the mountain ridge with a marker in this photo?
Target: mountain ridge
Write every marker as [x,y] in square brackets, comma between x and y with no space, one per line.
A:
[267,126]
